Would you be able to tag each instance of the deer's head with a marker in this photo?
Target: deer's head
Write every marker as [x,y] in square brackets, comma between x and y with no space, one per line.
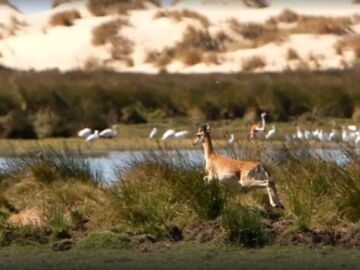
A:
[202,134]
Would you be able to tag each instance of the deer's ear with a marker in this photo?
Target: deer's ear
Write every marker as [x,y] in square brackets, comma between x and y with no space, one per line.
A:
[207,128]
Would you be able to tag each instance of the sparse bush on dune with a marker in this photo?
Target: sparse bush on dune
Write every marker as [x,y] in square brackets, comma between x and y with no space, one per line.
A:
[64,18]
[107,7]
[60,2]
[313,24]
[292,55]
[256,3]
[106,32]
[179,15]
[253,63]
[349,44]
[190,49]
[257,34]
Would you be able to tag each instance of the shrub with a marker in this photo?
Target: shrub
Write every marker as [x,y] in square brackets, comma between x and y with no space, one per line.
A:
[107,32]
[107,7]
[190,57]
[253,63]
[178,15]
[65,18]
[257,34]
[256,3]
[245,227]
[17,124]
[48,123]
[292,55]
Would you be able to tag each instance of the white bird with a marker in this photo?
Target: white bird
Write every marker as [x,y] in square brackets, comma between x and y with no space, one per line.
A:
[109,132]
[334,135]
[344,136]
[352,128]
[181,134]
[357,139]
[170,133]
[299,134]
[232,139]
[308,135]
[84,133]
[93,137]
[270,133]
[153,133]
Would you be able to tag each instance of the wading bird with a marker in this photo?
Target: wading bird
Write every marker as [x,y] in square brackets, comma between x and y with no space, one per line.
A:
[255,129]
[153,133]
[109,132]
[231,139]
[170,133]
[270,133]
[181,134]
[84,132]
[247,174]
[93,137]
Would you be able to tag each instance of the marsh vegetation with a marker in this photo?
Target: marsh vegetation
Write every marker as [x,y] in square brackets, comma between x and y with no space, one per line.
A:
[160,200]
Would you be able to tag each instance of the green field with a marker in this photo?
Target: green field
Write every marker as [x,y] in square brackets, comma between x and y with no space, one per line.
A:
[182,256]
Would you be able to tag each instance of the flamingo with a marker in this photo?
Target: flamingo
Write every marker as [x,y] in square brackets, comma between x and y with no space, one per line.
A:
[181,134]
[93,137]
[109,132]
[257,128]
[270,133]
[170,133]
[232,139]
[84,133]
[153,133]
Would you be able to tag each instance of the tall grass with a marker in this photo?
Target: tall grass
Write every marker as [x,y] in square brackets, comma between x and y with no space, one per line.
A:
[30,106]
[162,190]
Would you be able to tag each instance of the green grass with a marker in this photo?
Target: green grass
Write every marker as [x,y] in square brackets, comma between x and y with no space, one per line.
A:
[183,256]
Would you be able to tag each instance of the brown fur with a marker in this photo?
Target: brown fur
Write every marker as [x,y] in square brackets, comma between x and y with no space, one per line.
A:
[29,217]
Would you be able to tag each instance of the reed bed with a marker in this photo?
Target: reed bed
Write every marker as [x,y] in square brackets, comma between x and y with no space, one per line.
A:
[161,197]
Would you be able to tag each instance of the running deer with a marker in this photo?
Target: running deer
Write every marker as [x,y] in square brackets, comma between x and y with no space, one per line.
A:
[230,171]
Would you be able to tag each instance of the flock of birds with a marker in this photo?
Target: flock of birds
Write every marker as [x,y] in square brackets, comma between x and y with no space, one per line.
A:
[110,133]
[348,134]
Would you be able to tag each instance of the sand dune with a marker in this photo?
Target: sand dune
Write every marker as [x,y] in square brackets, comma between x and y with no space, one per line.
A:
[30,42]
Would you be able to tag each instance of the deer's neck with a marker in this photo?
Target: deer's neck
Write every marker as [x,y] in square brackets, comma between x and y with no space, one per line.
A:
[208,148]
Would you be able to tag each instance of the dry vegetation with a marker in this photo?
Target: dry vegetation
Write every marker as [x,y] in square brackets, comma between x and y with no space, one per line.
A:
[313,24]
[256,3]
[292,55]
[253,63]
[191,48]
[60,2]
[179,15]
[256,34]
[109,33]
[164,198]
[64,18]
[349,43]
[106,32]
[107,7]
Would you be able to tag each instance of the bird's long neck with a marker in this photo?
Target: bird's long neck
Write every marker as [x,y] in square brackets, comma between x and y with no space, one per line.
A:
[263,122]
[208,147]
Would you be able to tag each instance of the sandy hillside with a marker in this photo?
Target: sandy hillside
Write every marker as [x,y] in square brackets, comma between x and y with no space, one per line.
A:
[208,36]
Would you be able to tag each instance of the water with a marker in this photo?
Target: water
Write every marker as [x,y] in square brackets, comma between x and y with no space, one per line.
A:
[114,161]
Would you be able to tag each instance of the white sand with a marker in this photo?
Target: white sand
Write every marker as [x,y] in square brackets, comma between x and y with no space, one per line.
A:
[38,46]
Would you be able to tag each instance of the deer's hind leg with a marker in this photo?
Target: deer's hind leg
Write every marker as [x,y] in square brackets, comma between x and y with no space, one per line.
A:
[247,181]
